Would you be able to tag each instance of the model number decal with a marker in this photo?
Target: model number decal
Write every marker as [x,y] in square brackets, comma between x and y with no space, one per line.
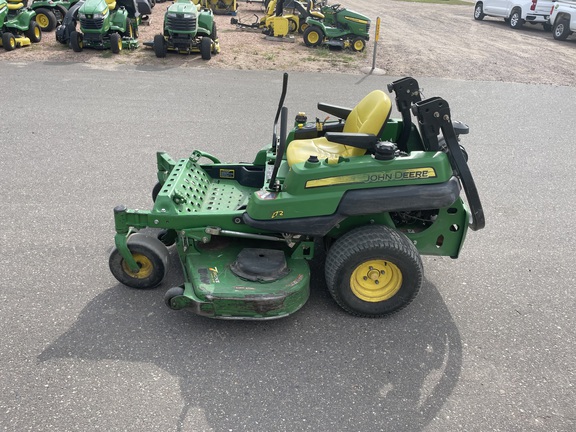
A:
[227,173]
[278,213]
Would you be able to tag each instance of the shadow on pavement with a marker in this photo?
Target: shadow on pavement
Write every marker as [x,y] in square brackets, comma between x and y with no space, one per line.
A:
[319,369]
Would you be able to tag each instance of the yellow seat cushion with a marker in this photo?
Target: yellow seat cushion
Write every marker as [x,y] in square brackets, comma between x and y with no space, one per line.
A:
[111,4]
[15,6]
[367,117]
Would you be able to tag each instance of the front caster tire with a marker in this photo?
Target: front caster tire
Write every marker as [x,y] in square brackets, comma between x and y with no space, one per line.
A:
[373,271]
[152,259]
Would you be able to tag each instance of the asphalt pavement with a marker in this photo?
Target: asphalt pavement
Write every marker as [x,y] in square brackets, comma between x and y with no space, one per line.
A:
[487,345]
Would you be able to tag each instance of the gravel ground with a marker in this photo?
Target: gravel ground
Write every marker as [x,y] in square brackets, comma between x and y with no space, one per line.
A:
[422,40]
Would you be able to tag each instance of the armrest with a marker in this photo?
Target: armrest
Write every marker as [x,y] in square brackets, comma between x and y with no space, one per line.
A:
[358,140]
[338,111]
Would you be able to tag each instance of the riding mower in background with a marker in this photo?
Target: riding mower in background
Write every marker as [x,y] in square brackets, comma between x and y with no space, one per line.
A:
[340,28]
[188,28]
[376,192]
[310,9]
[68,25]
[277,22]
[50,13]
[17,25]
[221,7]
[109,24]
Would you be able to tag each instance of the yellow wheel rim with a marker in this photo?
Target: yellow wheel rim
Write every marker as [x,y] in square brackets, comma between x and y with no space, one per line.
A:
[145,265]
[376,280]
[359,45]
[37,32]
[120,45]
[313,37]
[42,20]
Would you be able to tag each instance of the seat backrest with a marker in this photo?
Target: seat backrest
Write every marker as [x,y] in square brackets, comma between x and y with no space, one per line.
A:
[111,4]
[370,114]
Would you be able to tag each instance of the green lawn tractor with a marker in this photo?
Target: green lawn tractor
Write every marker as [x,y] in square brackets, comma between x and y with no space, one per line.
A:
[51,13]
[109,24]
[188,28]
[17,25]
[374,192]
[340,28]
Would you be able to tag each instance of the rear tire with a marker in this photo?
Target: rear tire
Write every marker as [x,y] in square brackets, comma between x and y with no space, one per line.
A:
[206,48]
[479,12]
[313,36]
[373,271]
[34,33]
[516,20]
[46,19]
[561,29]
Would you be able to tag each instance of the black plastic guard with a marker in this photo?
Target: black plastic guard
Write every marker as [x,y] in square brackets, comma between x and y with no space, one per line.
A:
[365,202]
[434,117]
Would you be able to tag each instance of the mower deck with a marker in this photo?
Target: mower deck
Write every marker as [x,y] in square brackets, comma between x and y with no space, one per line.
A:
[239,279]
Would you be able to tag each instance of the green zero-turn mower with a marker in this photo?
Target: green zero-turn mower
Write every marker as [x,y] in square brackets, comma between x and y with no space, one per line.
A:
[340,28]
[378,192]
[17,25]
[51,13]
[188,28]
[109,24]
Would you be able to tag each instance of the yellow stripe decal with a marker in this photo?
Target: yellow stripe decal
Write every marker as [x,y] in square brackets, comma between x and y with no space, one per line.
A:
[375,177]
[356,20]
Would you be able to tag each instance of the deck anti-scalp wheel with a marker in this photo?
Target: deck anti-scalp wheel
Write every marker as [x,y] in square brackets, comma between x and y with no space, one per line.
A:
[373,271]
[170,294]
[152,259]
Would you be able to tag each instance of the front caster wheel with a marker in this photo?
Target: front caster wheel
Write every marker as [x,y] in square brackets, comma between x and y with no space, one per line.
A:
[373,271]
[152,259]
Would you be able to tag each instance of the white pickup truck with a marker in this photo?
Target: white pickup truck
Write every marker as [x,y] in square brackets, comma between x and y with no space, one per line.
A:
[563,18]
[515,12]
